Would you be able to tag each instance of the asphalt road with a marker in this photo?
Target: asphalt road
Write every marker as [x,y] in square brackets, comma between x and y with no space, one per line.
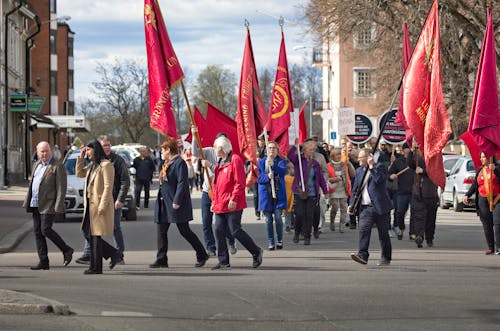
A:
[451,286]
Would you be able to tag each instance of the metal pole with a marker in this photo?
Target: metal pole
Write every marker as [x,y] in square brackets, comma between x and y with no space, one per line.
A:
[27,117]
[310,116]
[5,117]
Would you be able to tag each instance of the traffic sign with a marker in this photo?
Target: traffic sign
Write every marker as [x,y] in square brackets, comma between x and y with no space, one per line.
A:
[35,104]
[392,133]
[364,129]
[18,102]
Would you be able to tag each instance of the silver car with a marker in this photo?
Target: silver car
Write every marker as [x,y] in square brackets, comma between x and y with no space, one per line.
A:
[458,182]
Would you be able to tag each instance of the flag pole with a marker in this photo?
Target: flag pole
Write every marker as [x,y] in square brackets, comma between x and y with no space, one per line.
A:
[298,150]
[196,135]
[273,189]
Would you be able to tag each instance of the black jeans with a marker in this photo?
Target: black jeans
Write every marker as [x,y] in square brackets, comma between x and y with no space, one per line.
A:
[490,221]
[232,221]
[423,213]
[185,231]
[139,184]
[304,212]
[42,226]
[99,248]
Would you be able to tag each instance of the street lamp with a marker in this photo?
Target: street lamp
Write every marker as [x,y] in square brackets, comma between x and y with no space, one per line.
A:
[28,44]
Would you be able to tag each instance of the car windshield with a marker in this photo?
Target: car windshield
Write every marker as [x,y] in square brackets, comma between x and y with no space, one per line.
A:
[70,165]
[470,166]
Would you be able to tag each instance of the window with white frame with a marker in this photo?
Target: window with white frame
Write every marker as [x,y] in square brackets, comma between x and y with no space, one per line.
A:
[364,82]
[365,36]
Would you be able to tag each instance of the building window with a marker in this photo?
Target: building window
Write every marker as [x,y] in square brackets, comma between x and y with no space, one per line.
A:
[53,49]
[70,79]
[70,46]
[53,83]
[365,36]
[53,6]
[364,83]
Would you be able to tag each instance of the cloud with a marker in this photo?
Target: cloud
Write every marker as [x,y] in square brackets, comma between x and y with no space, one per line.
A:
[203,32]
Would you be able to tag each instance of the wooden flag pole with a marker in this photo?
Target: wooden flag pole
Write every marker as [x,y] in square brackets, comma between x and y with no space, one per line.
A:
[196,135]
[273,189]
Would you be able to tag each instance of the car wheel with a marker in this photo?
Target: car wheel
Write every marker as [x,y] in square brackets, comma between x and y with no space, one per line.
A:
[442,203]
[457,206]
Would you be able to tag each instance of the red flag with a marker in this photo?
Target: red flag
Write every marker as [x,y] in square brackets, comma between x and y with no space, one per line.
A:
[474,150]
[250,114]
[278,120]
[217,122]
[400,117]
[484,123]
[164,70]
[201,124]
[423,104]
[302,124]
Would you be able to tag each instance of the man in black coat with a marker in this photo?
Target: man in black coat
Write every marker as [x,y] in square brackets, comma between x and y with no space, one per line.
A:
[375,207]
[144,168]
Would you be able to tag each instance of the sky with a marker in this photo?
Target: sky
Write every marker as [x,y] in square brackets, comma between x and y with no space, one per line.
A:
[203,32]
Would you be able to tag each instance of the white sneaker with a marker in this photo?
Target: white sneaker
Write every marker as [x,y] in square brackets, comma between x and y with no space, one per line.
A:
[233,249]
[391,233]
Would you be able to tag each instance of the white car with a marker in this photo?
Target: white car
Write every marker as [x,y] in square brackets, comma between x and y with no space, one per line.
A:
[74,190]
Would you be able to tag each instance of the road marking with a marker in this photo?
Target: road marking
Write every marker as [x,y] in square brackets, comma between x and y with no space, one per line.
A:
[125,314]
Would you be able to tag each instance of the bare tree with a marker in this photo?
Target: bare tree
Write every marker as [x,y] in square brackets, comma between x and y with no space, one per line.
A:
[217,86]
[123,89]
[462,26]
[266,85]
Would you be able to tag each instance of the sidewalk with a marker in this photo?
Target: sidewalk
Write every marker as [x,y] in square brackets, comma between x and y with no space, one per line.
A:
[15,223]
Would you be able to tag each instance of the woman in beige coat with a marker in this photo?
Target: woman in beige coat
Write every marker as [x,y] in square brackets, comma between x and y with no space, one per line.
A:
[98,219]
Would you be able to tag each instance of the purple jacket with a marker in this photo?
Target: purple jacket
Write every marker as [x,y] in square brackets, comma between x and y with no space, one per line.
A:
[319,179]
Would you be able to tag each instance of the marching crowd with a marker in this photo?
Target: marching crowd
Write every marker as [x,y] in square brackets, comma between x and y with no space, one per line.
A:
[360,187]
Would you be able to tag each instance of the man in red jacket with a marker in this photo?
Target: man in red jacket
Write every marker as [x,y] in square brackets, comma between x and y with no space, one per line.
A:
[228,202]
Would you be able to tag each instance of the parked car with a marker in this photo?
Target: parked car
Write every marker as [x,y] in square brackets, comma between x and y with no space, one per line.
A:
[74,191]
[449,161]
[458,182]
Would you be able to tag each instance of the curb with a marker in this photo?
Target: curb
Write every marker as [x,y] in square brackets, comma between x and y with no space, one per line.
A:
[12,239]
[13,302]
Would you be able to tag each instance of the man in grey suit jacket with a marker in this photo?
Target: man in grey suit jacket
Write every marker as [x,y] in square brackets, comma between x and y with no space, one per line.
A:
[45,199]
[375,207]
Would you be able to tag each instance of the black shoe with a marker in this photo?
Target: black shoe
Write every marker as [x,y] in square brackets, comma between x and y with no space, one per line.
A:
[83,260]
[430,243]
[146,206]
[279,245]
[68,256]
[222,266]
[116,259]
[159,264]
[316,234]
[40,266]
[358,258]
[307,241]
[257,259]
[383,262]
[419,240]
[201,263]
[296,238]
[92,272]
[352,226]
[271,247]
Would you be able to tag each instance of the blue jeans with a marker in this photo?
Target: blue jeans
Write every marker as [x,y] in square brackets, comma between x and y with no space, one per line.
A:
[232,222]
[117,234]
[270,228]
[207,220]
[402,202]
[367,218]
